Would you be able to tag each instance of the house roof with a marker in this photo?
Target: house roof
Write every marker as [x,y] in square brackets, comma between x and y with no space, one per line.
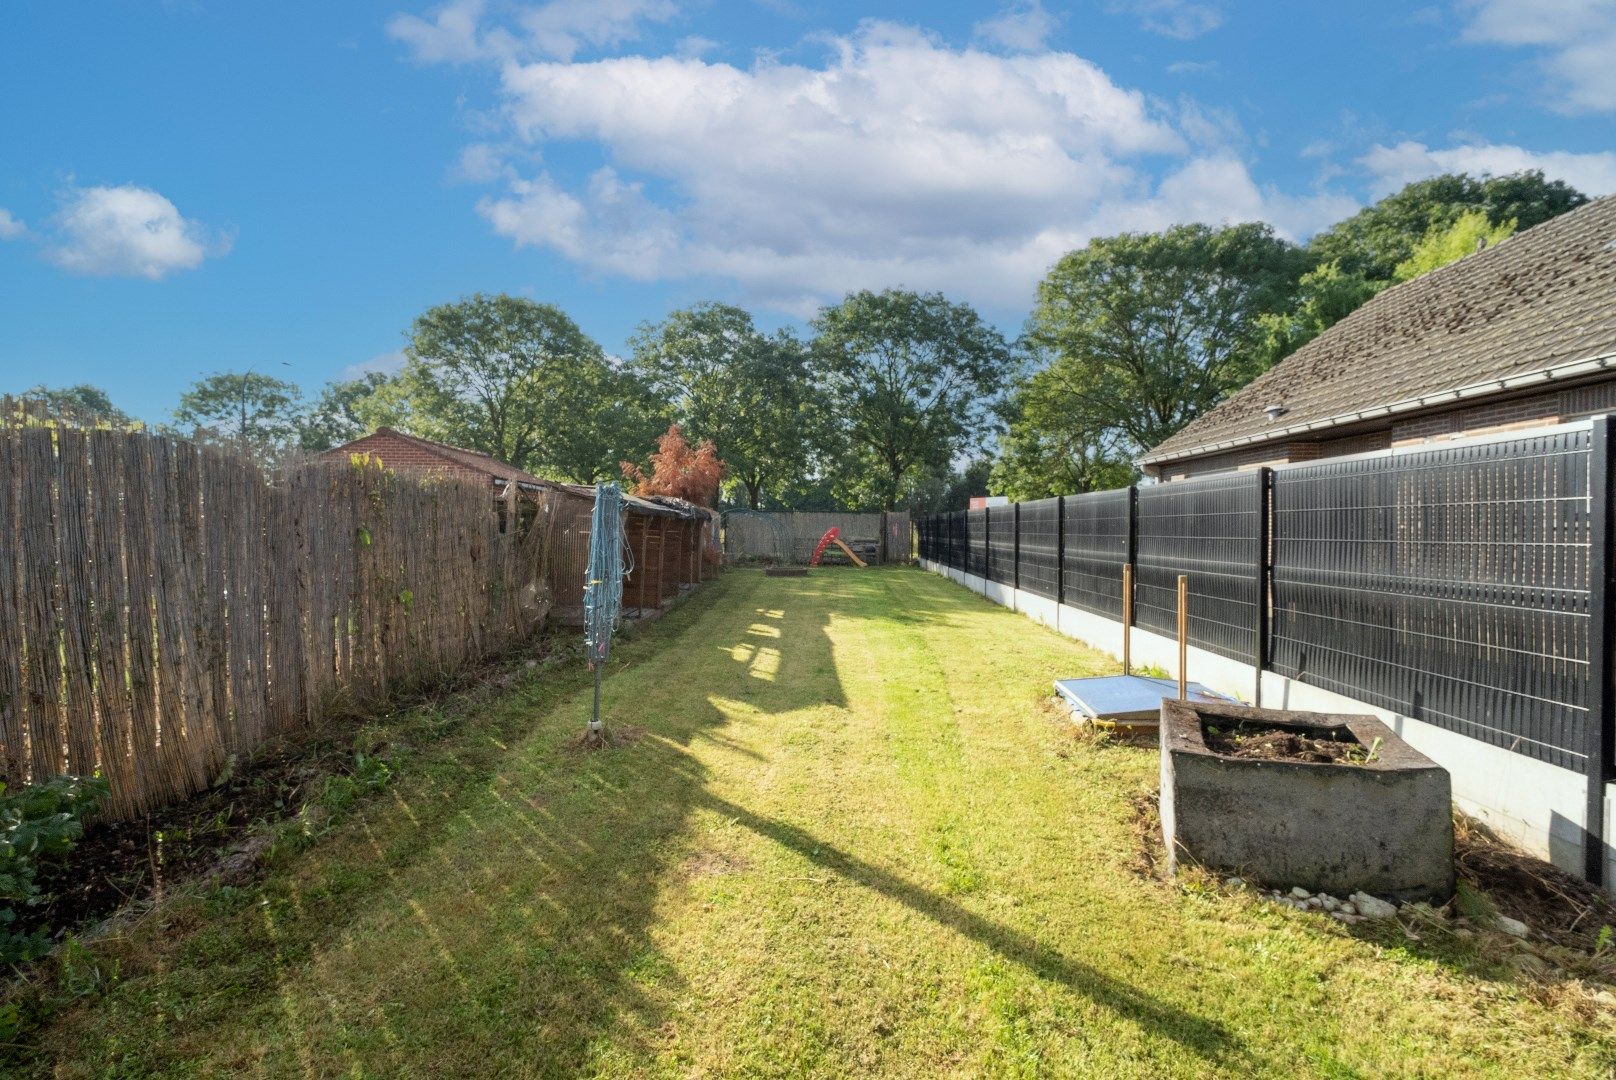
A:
[399,450]
[1538,306]
[425,453]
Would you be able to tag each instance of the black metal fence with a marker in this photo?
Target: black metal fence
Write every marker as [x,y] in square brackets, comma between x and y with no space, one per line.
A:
[1451,584]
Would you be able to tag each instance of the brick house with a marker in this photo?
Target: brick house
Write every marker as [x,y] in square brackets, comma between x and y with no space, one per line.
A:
[1519,335]
[397,450]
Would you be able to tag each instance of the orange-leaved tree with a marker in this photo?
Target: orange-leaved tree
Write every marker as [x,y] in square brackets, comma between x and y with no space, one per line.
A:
[687,472]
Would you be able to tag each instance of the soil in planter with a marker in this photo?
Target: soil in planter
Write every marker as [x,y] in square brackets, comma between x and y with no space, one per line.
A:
[1265,743]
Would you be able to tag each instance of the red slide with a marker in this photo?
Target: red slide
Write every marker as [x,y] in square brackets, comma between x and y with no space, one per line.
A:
[824,542]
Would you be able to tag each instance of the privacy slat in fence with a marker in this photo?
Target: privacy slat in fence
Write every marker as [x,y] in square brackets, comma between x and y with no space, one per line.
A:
[1450,585]
[1098,531]
[976,542]
[1207,528]
[164,607]
[1038,555]
[1001,529]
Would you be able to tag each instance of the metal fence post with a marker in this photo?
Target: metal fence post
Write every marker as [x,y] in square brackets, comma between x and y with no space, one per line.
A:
[1133,548]
[1060,552]
[1598,743]
[1265,571]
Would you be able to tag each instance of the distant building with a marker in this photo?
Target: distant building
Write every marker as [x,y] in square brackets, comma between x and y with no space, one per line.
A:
[397,450]
[666,537]
[980,502]
[1520,335]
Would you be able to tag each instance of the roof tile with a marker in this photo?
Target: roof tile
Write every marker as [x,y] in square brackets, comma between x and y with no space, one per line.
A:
[1541,298]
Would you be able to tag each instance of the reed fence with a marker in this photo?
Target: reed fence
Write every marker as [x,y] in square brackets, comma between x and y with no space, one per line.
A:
[165,607]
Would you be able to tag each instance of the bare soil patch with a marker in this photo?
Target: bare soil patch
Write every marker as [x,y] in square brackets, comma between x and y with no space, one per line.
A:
[217,833]
[714,864]
[1261,742]
[610,737]
[1557,907]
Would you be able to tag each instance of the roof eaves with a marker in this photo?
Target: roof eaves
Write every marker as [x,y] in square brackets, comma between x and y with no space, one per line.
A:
[1491,386]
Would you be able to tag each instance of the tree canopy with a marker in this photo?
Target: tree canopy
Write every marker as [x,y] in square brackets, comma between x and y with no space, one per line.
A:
[911,379]
[1145,332]
[82,405]
[679,470]
[487,373]
[1377,238]
[1469,233]
[517,379]
[726,381]
[258,413]
[347,410]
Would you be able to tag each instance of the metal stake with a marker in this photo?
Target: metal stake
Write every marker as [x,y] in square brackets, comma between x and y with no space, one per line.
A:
[1183,636]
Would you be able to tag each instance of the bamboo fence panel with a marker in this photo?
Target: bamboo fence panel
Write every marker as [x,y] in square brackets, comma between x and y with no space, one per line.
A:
[165,608]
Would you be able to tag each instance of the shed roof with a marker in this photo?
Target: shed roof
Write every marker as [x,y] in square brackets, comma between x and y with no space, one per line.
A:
[1538,306]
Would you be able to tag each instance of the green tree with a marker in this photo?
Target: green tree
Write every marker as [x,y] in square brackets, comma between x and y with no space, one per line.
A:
[1325,295]
[609,416]
[258,413]
[1376,239]
[1469,233]
[83,405]
[912,380]
[497,374]
[930,493]
[1145,332]
[1044,456]
[348,410]
[747,391]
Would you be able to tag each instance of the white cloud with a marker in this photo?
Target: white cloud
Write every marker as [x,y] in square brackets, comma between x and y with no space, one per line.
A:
[388,363]
[1182,19]
[128,231]
[1393,166]
[562,27]
[898,161]
[482,163]
[10,227]
[456,33]
[1022,27]
[694,45]
[452,35]
[1577,38]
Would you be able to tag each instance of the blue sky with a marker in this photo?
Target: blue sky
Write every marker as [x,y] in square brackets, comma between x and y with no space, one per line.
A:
[209,185]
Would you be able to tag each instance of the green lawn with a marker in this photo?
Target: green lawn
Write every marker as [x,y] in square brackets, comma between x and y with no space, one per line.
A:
[854,839]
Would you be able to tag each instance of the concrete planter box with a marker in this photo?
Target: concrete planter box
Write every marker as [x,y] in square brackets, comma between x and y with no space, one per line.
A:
[1384,827]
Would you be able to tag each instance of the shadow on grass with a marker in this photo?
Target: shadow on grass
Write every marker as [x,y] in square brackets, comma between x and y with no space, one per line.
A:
[493,912]
[1203,1037]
